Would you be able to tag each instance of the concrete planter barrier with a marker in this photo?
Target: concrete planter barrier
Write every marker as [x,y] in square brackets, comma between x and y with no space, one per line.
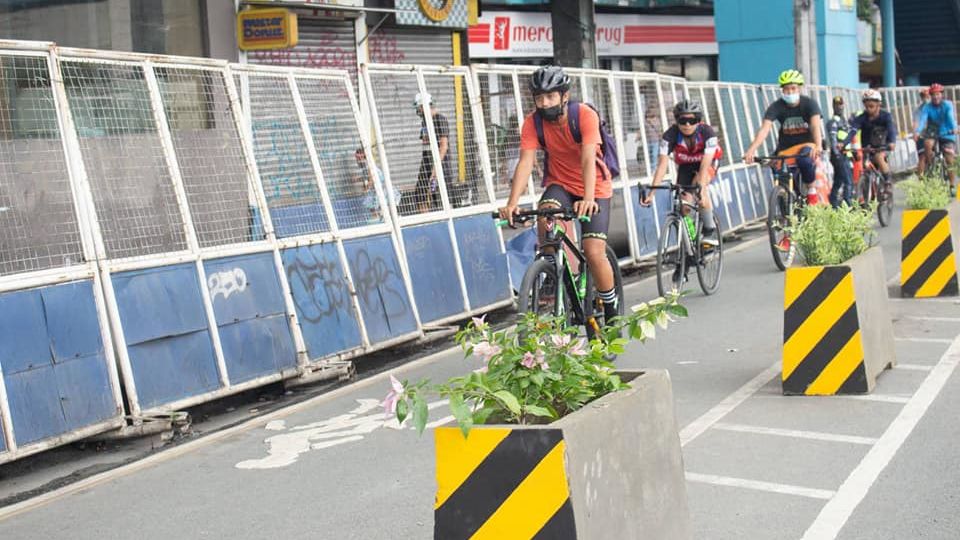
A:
[610,470]
[928,260]
[837,330]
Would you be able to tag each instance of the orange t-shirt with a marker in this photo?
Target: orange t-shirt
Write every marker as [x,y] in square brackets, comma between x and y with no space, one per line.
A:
[564,163]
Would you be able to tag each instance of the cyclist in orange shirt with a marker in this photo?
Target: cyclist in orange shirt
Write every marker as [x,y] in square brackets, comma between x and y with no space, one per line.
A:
[574,175]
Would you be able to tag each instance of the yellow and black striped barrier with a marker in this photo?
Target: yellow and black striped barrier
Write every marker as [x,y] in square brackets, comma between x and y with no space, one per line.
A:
[502,483]
[822,343]
[928,265]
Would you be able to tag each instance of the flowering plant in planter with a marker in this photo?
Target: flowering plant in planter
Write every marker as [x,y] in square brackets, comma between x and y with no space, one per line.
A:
[534,373]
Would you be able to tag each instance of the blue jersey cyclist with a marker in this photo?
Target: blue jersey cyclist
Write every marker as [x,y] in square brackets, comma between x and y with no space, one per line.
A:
[940,114]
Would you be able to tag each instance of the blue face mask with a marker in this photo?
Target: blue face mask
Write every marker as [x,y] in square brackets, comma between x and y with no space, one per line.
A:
[791,99]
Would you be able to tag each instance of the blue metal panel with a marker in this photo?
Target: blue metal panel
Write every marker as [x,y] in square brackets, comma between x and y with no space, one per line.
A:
[730,197]
[520,251]
[322,299]
[646,225]
[257,347]
[35,405]
[86,395]
[299,219]
[746,202]
[484,267]
[384,303]
[244,287]
[72,320]
[23,332]
[173,368]
[719,206]
[759,195]
[662,204]
[159,302]
[433,271]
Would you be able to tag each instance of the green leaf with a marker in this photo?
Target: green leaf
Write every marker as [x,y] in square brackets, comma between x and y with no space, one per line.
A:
[420,414]
[481,415]
[509,401]
[461,412]
[402,410]
[536,410]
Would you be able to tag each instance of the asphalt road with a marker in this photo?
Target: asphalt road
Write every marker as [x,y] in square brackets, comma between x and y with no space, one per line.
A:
[759,464]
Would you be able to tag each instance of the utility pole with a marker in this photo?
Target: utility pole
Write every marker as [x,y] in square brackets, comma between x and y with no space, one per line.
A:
[574,33]
[805,40]
[889,46]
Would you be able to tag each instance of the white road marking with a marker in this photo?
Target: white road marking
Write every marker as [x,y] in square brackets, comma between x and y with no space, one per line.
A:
[883,398]
[838,510]
[914,367]
[933,319]
[687,362]
[813,435]
[926,300]
[784,489]
[276,425]
[924,340]
[697,427]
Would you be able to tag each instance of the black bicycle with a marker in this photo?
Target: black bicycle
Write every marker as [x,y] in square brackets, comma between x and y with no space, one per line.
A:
[683,244]
[874,188]
[786,201]
[551,286]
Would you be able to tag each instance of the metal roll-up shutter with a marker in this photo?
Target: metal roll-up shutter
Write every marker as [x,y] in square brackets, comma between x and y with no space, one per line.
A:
[414,45]
[322,43]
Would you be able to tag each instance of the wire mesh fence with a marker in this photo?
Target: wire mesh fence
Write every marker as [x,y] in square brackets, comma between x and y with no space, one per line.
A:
[38,223]
[498,93]
[129,176]
[209,153]
[280,148]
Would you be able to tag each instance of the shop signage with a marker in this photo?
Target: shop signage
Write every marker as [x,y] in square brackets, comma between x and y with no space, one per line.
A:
[260,29]
[508,34]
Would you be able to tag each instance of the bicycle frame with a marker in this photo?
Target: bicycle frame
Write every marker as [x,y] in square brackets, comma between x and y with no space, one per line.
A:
[575,286]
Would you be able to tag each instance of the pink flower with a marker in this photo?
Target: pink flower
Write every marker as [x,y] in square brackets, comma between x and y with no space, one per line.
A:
[393,396]
[486,350]
[479,323]
[579,348]
[531,360]
[484,369]
[560,340]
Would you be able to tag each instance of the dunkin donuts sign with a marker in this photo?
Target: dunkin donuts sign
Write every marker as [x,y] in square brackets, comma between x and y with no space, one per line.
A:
[507,34]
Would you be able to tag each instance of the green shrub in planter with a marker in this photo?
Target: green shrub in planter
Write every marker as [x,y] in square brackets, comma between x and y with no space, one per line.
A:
[926,193]
[825,235]
[535,373]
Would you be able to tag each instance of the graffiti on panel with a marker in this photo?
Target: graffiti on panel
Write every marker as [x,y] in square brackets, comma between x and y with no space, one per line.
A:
[284,165]
[226,283]
[473,246]
[384,50]
[375,282]
[327,292]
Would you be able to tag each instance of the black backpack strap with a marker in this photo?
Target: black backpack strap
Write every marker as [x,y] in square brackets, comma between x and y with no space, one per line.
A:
[538,124]
[573,120]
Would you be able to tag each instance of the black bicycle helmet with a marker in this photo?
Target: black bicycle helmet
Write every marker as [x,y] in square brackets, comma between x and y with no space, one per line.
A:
[549,79]
[688,106]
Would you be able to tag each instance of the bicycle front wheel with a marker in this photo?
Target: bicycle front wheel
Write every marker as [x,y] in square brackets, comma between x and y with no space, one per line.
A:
[542,292]
[710,261]
[779,210]
[885,204]
[671,256]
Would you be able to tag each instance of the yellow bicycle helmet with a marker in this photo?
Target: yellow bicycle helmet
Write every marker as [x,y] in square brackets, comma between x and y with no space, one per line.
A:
[790,76]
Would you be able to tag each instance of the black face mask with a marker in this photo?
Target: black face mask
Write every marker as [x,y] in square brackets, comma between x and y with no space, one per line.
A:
[551,113]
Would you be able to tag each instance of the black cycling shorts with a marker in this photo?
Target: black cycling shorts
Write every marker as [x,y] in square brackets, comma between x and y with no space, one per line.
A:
[599,223]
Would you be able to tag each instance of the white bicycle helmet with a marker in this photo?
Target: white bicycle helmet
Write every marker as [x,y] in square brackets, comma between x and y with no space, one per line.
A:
[872,95]
[420,98]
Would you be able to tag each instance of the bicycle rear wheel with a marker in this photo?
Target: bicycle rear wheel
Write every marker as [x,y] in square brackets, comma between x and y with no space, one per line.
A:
[542,292]
[710,261]
[781,245]
[593,306]
[671,256]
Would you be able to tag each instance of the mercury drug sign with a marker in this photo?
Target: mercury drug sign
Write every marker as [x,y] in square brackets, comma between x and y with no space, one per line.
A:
[266,29]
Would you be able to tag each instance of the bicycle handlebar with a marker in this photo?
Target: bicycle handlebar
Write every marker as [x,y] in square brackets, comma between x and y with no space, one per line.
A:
[565,214]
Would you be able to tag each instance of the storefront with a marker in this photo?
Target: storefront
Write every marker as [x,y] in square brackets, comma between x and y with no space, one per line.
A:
[670,44]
